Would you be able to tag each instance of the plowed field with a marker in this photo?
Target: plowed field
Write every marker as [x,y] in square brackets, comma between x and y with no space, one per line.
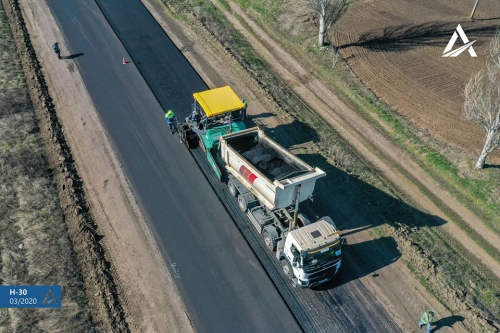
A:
[396,47]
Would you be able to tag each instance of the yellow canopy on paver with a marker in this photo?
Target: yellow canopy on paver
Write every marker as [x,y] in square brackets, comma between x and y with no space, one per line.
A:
[218,101]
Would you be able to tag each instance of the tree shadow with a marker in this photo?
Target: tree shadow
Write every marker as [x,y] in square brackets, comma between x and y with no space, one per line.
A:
[407,36]
[491,166]
[446,322]
[486,19]
[73,56]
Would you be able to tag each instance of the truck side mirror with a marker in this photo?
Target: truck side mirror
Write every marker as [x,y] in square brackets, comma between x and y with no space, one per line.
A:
[344,241]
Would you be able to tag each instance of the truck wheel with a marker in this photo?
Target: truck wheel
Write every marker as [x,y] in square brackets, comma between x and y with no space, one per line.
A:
[232,188]
[287,268]
[269,241]
[242,203]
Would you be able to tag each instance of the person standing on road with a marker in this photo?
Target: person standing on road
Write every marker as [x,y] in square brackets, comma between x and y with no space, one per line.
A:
[57,50]
[243,112]
[427,319]
[170,118]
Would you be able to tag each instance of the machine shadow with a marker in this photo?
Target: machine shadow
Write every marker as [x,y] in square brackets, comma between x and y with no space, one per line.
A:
[256,118]
[382,251]
[297,133]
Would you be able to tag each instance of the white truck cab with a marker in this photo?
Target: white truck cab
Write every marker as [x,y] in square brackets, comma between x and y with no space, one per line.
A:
[311,255]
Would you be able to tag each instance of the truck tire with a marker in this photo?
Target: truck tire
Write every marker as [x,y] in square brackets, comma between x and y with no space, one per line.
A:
[232,188]
[287,268]
[269,241]
[242,203]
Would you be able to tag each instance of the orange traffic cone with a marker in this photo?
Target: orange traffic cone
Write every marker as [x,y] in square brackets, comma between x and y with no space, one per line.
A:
[124,62]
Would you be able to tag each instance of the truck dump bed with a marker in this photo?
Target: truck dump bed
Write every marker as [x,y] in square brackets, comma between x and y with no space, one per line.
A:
[268,170]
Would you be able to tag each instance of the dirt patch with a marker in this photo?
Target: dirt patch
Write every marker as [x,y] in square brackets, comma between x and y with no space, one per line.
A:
[34,245]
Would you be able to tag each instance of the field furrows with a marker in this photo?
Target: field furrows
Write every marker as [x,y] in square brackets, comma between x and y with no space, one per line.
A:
[397,54]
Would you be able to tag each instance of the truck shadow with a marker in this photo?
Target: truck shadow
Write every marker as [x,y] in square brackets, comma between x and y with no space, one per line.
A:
[382,252]
[355,206]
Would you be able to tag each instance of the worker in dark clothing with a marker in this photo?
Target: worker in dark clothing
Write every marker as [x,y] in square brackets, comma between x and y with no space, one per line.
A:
[243,112]
[195,117]
[57,50]
[170,118]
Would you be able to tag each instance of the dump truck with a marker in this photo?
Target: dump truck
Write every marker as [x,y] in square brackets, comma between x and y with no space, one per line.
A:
[268,183]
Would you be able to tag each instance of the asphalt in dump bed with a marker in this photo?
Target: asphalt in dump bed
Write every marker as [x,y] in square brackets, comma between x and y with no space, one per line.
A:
[172,193]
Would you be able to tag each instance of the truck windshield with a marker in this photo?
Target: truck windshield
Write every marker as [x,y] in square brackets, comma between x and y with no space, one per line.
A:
[319,258]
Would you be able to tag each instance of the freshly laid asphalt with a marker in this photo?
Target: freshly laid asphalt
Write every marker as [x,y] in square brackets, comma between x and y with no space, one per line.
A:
[220,279]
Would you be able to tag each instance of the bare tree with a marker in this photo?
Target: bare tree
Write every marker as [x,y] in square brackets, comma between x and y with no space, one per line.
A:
[482,101]
[474,9]
[329,12]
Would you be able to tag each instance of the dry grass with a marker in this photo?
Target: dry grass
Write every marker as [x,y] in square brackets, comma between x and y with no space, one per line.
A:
[34,244]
